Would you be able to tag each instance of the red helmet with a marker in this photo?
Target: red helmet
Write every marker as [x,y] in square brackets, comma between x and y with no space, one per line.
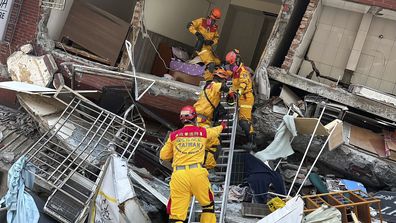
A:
[215,13]
[187,113]
[232,56]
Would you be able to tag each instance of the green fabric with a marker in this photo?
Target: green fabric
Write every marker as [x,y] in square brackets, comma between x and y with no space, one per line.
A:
[318,183]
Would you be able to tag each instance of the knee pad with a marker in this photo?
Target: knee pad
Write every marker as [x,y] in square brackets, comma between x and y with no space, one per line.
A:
[176,221]
[208,210]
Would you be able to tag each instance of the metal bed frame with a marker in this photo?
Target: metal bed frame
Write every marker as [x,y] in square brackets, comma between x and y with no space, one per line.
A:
[75,170]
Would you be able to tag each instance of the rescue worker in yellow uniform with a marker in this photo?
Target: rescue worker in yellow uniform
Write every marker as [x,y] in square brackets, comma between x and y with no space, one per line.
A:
[242,84]
[205,29]
[186,148]
[210,97]
[208,100]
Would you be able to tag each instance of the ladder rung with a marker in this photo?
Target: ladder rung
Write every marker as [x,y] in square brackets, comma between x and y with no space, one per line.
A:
[225,133]
[200,211]
[216,202]
[236,150]
[227,120]
[221,165]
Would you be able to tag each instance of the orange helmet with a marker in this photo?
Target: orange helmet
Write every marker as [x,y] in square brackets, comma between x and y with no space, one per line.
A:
[232,56]
[215,13]
[220,72]
[187,114]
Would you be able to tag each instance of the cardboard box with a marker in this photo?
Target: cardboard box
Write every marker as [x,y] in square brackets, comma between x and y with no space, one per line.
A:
[307,126]
[185,78]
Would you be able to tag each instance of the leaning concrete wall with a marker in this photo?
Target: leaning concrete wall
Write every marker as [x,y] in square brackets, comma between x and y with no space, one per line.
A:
[277,33]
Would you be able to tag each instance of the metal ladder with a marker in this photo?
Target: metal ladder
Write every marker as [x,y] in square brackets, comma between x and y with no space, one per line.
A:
[224,166]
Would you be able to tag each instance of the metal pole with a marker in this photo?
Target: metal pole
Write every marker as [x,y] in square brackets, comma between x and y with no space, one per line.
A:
[306,151]
[316,159]
[229,165]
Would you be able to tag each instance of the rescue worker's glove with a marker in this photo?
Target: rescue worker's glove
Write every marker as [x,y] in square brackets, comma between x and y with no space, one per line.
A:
[231,94]
[224,124]
[231,98]
[200,36]
[209,42]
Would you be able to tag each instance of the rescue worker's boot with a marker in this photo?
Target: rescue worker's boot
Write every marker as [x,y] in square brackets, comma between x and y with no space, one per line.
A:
[245,125]
[247,130]
[251,145]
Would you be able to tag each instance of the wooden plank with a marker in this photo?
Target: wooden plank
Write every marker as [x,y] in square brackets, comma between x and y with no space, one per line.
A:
[307,125]
[333,201]
[311,204]
[367,140]
[82,53]
[96,30]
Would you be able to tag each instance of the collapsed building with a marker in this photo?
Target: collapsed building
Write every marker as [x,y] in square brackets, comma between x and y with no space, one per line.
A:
[337,55]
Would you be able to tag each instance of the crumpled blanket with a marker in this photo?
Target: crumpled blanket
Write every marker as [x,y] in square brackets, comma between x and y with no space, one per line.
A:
[280,146]
[20,205]
[237,193]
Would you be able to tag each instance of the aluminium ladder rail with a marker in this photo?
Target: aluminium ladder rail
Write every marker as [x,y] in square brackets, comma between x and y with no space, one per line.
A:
[223,167]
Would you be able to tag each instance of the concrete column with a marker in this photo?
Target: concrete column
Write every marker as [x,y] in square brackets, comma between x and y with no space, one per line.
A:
[359,42]
[57,20]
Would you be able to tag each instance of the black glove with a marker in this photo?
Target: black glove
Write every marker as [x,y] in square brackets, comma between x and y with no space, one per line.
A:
[200,36]
[209,42]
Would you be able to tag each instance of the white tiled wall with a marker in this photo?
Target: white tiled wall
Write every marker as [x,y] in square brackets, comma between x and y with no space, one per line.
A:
[332,42]
[377,64]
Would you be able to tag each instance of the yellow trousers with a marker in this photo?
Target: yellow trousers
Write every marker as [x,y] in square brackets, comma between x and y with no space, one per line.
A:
[207,56]
[246,103]
[210,160]
[183,185]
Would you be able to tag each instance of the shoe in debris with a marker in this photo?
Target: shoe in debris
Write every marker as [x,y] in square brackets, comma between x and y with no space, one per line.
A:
[215,178]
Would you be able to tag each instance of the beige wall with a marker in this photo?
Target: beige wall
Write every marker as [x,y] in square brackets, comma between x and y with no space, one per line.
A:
[332,42]
[170,17]
[272,6]
[377,64]
[241,30]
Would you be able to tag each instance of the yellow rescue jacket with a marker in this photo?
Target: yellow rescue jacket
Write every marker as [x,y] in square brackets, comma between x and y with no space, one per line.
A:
[187,145]
[242,81]
[213,92]
[208,32]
